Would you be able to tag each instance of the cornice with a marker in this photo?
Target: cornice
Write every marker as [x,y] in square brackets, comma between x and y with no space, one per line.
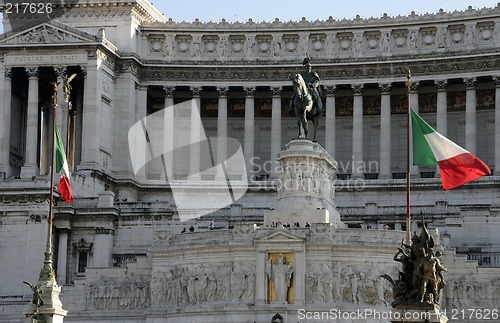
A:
[356,23]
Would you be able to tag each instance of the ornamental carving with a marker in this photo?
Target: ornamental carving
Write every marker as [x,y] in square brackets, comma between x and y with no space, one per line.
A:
[486,31]
[263,43]
[156,44]
[290,43]
[372,40]
[44,34]
[183,44]
[317,42]
[400,38]
[345,41]
[428,37]
[237,44]
[457,34]
[209,44]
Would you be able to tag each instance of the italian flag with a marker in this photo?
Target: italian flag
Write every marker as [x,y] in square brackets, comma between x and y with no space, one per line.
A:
[457,165]
[62,167]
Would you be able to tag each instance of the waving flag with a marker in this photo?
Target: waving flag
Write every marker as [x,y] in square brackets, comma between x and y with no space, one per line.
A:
[457,165]
[62,168]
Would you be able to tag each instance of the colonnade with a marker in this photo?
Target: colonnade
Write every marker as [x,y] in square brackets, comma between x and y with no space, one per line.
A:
[91,126]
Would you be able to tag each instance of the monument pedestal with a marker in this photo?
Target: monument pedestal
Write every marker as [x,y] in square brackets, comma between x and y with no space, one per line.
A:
[417,314]
[306,190]
[51,311]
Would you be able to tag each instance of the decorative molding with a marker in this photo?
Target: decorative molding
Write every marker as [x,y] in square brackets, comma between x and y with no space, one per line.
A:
[249,91]
[222,91]
[441,85]
[330,90]
[385,88]
[169,91]
[276,91]
[357,89]
[32,72]
[470,83]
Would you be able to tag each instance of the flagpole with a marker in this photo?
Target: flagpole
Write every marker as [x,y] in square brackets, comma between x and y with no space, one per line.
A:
[47,273]
[408,213]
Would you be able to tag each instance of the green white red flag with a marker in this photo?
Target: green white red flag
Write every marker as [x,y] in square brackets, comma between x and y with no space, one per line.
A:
[457,165]
[62,167]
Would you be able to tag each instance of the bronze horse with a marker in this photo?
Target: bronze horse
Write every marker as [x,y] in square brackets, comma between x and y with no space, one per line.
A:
[304,106]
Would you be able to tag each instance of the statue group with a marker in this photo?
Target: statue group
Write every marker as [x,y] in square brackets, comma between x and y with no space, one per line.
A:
[421,279]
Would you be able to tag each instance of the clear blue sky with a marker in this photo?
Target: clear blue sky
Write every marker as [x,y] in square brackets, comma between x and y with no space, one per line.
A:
[268,10]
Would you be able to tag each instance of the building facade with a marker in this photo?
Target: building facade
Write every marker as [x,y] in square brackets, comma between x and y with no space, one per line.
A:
[130,63]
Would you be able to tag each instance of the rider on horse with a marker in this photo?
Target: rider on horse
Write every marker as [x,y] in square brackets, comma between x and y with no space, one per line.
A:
[312,81]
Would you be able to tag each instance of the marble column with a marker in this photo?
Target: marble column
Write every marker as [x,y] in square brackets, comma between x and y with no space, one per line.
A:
[330,126]
[221,132]
[414,170]
[140,114]
[62,111]
[5,122]
[248,142]
[91,123]
[441,114]
[385,131]
[195,136]
[261,279]
[168,139]
[357,132]
[470,115]
[62,256]
[44,141]
[496,166]
[275,130]
[30,167]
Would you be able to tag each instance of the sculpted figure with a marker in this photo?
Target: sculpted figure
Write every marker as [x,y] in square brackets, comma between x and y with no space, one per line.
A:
[281,275]
[306,101]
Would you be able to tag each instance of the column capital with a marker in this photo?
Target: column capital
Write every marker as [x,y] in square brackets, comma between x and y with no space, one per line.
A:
[32,72]
[496,80]
[414,87]
[470,82]
[330,90]
[222,91]
[276,91]
[196,91]
[60,70]
[249,91]
[169,91]
[84,71]
[385,88]
[141,87]
[8,72]
[441,85]
[357,89]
